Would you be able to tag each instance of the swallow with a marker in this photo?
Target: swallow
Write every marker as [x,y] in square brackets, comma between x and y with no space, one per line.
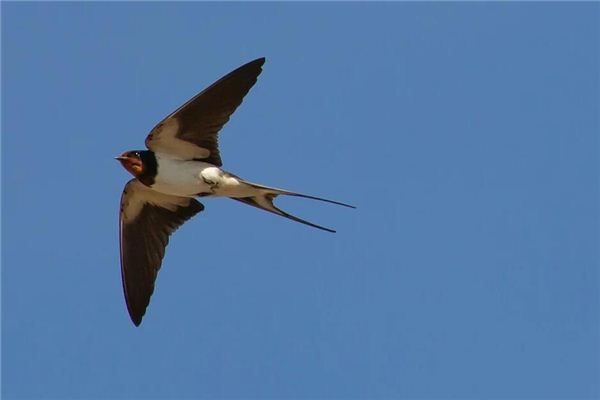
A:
[182,163]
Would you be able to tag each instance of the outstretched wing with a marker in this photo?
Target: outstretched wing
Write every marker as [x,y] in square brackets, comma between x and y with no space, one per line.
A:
[191,131]
[147,218]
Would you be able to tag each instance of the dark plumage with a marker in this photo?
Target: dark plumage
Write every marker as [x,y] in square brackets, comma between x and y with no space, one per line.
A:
[183,162]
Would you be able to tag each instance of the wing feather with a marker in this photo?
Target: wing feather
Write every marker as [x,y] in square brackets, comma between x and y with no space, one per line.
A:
[147,219]
[191,131]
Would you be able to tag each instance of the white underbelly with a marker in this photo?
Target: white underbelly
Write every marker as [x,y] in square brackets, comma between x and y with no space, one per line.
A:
[194,178]
[181,177]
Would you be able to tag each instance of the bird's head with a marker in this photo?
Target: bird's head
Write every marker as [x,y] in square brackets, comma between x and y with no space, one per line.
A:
[132,162]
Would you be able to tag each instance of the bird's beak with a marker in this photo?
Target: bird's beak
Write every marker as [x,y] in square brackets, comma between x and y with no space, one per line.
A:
[121,158]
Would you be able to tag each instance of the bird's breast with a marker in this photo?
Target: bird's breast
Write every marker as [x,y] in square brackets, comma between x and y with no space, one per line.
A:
[181,177]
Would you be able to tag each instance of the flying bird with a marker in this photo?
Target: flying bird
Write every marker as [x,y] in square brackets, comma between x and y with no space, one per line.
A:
[183,162]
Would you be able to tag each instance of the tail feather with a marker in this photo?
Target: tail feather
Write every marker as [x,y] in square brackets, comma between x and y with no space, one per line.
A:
[318,198]
[266,195]
[277,191]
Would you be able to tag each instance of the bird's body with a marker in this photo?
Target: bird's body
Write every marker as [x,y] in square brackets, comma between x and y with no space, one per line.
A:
[193,178]
[183,162]
[188,178]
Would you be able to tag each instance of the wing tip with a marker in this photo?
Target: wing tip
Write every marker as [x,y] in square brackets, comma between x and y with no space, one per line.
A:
[135,315]
[256,63]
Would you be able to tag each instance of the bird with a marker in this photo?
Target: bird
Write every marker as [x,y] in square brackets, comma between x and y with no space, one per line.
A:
[182,163]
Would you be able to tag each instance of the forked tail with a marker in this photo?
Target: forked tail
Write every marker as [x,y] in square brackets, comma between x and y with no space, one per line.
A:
[264,200]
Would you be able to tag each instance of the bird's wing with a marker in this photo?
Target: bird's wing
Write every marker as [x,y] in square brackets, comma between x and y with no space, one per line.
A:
[191,131]
[147,218]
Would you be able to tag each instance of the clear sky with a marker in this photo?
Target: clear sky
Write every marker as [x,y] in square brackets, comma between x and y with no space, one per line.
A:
[466,134]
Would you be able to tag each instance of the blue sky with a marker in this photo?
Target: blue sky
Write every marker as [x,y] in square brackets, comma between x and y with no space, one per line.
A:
[466,134]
